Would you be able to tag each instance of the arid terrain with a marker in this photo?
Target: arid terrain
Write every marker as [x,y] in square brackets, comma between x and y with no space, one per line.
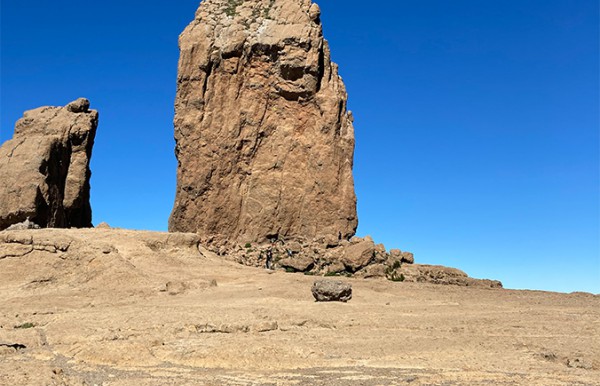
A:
[116,307]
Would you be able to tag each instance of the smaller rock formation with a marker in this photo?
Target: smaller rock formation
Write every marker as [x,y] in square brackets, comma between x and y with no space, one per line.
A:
[357,257]
[44,169]
[331,291]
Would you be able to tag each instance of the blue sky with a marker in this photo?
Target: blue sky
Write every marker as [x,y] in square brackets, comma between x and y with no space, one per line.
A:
[477,122]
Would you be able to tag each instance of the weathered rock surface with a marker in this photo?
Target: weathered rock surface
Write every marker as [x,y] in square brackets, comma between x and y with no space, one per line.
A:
[264,140]
[44,169]
[81,316]
[331,291]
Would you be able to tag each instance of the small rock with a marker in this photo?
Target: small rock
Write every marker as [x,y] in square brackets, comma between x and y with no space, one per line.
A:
[175,287]
[579,363]
[103,225]
[266,326]
[331,291]
[80,105]
[314,12]
[547,355]
[408,258]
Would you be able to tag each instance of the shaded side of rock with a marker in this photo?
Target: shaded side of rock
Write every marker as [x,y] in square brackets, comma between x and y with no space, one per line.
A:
[45,170]
[331,291]
[264,140]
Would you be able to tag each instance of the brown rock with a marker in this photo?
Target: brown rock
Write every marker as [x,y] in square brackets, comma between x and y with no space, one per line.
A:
[408,258]
[372,271]
[44,169]
[297,263]
[331,291]
[359,254]
[437,274]
[403,257]
[264,140]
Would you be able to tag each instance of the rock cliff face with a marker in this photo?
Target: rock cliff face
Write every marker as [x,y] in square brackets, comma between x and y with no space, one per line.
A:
[44,169]
[265,143]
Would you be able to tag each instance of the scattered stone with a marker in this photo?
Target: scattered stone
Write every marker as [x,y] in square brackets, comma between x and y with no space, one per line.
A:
[103,225]
[579,363]
[548,355]
[266,326]
[44,169]
[175,287]
[263,136]
[331,291]
[27,224]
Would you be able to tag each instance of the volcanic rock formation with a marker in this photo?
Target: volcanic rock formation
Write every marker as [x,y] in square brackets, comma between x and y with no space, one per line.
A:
[44,169]
[265,143]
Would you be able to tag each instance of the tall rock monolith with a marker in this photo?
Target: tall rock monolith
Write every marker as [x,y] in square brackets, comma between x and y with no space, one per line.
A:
[44,169]
[264,141]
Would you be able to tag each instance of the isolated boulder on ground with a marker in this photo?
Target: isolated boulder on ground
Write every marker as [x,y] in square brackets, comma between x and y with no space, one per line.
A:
[44,169]
[264,140]
[331,291]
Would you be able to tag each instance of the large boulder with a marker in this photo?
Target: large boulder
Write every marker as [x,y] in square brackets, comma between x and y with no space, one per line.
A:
[263,138]
[44,169]
[331,291]
[359,254]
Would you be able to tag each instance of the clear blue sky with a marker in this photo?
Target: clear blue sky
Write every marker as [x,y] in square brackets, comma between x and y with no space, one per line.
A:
[477,122]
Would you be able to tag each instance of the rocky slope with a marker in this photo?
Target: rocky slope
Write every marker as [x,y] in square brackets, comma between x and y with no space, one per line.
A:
[44,169]
[264,140]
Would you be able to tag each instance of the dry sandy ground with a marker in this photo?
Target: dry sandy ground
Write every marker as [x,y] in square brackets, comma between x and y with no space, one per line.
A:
[115,307]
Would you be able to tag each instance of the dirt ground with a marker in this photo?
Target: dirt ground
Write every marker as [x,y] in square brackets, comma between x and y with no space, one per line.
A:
[115,307]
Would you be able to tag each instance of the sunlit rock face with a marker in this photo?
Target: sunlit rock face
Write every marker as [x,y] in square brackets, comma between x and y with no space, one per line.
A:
[265,143]
[44,169]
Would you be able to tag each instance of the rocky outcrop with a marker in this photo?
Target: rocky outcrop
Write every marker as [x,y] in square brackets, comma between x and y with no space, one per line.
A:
[44,169]
[264,140]
[358,257]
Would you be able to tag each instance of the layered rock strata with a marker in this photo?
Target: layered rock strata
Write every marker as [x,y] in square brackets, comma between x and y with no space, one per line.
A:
[44,169]
[264,140]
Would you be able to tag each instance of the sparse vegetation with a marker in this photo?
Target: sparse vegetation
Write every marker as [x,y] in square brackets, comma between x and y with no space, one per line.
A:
[25,325]
[343,273]
[231,9]
[391,272]
[248,245]
[267,10]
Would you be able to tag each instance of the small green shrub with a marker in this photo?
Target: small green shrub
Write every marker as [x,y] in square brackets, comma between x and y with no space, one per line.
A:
[290,270]
[25,325]
[247,245]
[231,9]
